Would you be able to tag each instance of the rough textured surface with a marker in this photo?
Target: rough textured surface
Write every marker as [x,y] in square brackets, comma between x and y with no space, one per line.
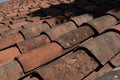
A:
[58,39]
[67,66]
[112,75]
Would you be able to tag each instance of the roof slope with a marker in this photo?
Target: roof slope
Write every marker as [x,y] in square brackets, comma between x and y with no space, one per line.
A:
[58,39]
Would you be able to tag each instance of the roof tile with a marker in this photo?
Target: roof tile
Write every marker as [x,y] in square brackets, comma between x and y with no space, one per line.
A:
[8,55]
[60,30]
[10,40]
[82,19]
[116,60]
[9,70]
[10,32]
[49,33]
[34,31]
[104,44]
[101,72]
[74,37]
[66,67]
[4,28]
[115,13]
[33,43]
[103,23]
[29,64]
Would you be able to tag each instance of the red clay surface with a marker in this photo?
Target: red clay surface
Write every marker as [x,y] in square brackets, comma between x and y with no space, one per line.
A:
[58,39]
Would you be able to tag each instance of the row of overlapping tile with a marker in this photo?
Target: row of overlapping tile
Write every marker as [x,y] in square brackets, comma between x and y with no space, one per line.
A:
[74,41]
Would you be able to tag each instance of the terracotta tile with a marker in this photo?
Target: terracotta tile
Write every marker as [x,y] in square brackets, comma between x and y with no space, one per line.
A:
[18,20]
[29,78]
[35,78]
[52,22]
[10,17]
[33,19]
[102,23]
[67,66]
[44,4]
[1,24]
[55,21]
[34,9]
[29,64]
[42,40]
[60,20]
[9,70]
[117,27]
[12,14]
[73,12]
[53,48]
[106,68]
[27,45]
[17,25]
[34,31]
[71,1]
[60,30]
[30,24]
[116,60]
[4,28]
[33,43]
[1,18]
[38,48]
[17,17]
[112,75]
[53,2]
[115,13]
[25,12]
[10,40]
[6,22]
[104,44]
[82,19]
[74,37]
[8,55]
[10,32]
